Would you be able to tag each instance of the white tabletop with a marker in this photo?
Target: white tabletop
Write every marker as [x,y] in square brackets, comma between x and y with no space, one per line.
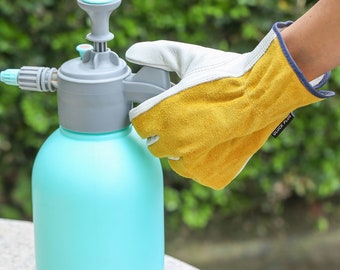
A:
[17,248]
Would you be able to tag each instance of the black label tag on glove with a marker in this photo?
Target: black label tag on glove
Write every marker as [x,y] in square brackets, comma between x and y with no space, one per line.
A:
[283,125]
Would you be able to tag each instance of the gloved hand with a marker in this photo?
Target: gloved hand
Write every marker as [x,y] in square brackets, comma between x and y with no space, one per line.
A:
[225,106]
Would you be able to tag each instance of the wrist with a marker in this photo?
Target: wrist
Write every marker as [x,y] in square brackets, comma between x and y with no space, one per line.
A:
[300,51]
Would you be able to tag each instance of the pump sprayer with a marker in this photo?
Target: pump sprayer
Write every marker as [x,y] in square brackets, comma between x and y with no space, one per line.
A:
[97,191]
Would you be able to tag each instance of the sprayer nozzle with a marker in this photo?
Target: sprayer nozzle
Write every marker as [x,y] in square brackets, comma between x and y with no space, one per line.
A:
[31,78]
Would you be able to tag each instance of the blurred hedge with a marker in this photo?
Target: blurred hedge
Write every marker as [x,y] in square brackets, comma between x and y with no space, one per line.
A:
[303,161]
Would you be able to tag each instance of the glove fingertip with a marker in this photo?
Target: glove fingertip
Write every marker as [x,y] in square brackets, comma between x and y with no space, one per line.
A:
[134,53]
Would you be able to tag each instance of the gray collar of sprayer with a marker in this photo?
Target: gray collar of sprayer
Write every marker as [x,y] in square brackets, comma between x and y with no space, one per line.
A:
[91,93]
[96,91]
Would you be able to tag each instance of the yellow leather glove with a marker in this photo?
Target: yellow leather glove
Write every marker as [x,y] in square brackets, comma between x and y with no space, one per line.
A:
[225,106]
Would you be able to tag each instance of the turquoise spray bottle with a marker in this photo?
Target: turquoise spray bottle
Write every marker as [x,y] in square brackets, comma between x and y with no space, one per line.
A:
[97,191]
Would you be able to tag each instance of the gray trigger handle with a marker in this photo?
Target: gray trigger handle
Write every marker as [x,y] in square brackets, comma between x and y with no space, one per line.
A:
[146,83]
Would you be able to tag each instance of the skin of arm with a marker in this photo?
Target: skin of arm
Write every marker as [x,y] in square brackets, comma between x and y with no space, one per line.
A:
[313,40]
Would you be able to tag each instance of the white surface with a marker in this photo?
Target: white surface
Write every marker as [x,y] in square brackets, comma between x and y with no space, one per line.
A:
[17,248]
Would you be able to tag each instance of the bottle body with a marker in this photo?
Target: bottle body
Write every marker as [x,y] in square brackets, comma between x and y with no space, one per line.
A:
[97,203]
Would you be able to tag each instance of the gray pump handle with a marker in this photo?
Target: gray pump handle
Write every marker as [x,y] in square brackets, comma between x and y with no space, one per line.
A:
[99,14]
[146,83]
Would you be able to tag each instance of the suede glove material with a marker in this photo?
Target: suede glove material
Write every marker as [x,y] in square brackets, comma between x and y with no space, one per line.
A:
[225,106]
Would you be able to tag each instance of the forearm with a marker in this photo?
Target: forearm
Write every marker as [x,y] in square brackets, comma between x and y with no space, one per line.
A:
[313,40]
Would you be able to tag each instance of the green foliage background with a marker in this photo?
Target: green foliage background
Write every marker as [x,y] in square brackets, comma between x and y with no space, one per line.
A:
[303,162]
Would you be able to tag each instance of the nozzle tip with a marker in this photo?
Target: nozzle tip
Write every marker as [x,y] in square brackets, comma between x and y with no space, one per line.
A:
[10,76]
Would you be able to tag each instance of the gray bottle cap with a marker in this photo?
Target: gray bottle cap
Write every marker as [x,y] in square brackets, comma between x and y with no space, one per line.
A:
[91,93]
